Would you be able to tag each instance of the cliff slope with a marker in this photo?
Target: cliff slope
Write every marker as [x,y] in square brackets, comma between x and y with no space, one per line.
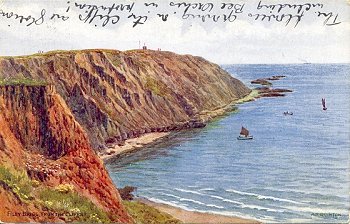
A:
[118,95]
[40,138]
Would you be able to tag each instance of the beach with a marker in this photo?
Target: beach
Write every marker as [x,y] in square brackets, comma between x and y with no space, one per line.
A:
[195,217]
[133,144]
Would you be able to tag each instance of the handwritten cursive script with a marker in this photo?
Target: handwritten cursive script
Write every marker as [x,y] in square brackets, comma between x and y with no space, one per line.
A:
[139,13]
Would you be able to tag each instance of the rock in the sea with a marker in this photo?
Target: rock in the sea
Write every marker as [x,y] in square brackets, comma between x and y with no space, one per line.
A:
[126,193]
[263,82]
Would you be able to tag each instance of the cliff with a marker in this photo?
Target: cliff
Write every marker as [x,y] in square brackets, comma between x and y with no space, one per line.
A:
[118,95]
[58,108]
[40,136]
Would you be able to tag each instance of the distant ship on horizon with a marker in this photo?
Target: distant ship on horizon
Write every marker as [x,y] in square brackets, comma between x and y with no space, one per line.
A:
[304,61]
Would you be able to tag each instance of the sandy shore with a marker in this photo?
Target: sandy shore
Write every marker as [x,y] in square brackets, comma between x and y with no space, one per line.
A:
[139,142]
[195,217]
[132,144]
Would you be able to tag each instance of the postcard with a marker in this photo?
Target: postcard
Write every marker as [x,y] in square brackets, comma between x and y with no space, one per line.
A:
[174,111]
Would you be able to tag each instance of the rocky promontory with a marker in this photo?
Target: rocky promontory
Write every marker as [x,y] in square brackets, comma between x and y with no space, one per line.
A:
[266,90]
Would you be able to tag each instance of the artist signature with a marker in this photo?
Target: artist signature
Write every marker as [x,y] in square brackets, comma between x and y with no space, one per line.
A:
[327,215]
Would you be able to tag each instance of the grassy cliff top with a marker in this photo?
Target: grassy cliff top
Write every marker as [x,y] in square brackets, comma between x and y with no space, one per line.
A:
[99,50]
[22,82]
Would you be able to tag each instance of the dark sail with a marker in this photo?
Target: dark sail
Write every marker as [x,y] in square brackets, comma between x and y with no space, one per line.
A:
[244,131]
[323,102]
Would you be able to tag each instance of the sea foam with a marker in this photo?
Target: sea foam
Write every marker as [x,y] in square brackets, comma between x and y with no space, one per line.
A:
[263,197]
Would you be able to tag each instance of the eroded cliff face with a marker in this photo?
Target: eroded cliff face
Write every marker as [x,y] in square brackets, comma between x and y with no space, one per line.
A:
[91,98]
[117,95]
[39,134]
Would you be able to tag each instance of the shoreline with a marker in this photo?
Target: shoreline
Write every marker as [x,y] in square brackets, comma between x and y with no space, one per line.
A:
[186,216]
[132,144]
[149,138]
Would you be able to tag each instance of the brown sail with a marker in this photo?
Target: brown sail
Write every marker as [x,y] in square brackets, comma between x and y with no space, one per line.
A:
[244,131]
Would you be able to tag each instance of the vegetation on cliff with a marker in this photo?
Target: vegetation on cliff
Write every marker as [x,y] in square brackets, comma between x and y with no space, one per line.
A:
[22,82]
[76,207]
[142,213]
[17,182]
[65,204]
[61,202]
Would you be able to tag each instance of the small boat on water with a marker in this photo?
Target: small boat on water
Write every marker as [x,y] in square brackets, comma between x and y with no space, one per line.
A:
[324,104]
[288,113]
[244,134]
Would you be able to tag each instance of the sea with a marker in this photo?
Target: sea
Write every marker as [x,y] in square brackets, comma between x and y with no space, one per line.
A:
[296,169]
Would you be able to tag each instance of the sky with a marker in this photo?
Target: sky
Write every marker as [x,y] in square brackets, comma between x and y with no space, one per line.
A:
[242,41]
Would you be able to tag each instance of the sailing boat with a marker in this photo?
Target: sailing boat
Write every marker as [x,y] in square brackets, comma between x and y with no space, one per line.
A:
[324,104]
[244,134]
[287,113]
